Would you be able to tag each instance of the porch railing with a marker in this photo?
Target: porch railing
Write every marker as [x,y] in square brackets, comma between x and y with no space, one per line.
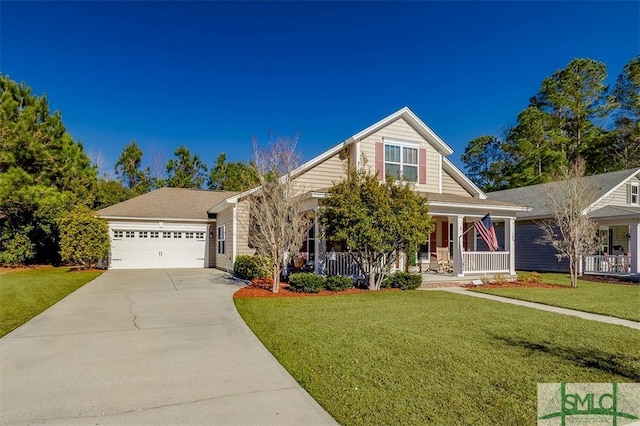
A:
[610,264]
[480,262]
[340,263]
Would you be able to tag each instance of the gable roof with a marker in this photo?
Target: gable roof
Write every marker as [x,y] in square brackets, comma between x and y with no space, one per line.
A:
[534,195]
[167,203]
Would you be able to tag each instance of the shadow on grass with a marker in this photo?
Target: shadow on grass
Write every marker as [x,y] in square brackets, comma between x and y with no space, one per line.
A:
[590,358]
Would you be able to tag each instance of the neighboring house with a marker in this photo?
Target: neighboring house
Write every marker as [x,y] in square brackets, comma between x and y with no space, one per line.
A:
[616,210]
[398,144]
[165,228]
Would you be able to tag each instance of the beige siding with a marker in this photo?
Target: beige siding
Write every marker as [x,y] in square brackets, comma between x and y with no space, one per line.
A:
[224,261]
[242,232]
[403,131]
[619,197]
[323,175]
[451,186]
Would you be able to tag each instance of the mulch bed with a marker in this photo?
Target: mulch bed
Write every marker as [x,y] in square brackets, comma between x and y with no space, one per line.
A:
[262,288]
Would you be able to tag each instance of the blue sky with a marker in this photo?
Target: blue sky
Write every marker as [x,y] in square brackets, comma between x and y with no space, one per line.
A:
[210,75]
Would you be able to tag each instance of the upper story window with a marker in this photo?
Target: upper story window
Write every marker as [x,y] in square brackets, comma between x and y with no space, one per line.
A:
[401,162]
[634,194]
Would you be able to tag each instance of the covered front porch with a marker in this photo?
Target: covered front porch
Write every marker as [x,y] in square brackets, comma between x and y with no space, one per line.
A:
[454,237]
[618,255]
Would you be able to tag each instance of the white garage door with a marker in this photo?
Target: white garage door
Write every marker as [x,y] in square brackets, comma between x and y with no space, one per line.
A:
[150,249]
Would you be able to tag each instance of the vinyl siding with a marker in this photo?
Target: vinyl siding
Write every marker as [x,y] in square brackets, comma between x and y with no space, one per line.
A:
[403,131]
[535,257]
[224,218]
[323,175]
[619,197]
[242,233]
[451,186]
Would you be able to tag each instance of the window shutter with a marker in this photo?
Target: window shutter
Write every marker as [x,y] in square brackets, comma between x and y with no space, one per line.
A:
[380,160]
[445,233]
[422,166]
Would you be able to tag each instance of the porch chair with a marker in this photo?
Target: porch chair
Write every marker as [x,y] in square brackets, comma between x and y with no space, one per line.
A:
[443,258]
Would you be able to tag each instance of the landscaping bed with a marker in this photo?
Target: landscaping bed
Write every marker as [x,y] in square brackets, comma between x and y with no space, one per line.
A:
[262,288]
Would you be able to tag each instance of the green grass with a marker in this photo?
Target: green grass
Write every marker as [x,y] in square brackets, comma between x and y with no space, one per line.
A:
[617,300]
[24,294]
[433,357]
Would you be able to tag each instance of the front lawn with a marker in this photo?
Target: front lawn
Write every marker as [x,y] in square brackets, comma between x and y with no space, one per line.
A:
[24,294]
[616,300]
[435,357]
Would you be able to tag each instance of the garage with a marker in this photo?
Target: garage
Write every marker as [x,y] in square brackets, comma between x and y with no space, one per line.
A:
[165,228]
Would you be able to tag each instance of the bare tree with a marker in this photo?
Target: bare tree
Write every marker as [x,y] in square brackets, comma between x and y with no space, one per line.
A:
[277,227]
[570,230]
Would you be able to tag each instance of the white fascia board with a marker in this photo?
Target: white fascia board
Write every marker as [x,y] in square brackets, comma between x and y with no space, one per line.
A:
[466,182]
[611,191]
[156,219]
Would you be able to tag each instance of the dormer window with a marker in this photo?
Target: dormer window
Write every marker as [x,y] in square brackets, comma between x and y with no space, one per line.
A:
[634,194]
[401,162]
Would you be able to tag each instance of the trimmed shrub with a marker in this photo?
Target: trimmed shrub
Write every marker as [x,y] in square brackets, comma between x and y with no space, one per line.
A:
[499,279]
[338,283]
[306,282]
[250,267]
[534,277]
[16,250]
[404,280]
[84,237]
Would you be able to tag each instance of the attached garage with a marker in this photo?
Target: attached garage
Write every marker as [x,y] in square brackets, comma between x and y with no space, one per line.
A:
[166,228]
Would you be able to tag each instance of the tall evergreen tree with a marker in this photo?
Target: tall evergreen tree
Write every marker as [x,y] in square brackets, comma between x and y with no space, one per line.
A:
[186,170]
[43,172]
[129,169]
[624,143]
[234,176]
[484,160]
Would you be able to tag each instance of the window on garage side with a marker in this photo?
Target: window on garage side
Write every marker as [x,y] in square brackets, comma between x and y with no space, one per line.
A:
[129,234]
[200,235]
[222,236]
[118,234]
[143,234]
[188,235]
[154,234]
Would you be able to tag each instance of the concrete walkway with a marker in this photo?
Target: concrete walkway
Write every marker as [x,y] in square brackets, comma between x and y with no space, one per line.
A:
[147,348]
[542,307]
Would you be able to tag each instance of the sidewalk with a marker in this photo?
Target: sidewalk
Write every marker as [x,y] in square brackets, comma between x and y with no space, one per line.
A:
[542,307]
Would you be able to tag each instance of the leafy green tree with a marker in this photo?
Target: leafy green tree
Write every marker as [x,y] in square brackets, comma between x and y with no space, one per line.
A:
[234,176]
[577,100]
[532,149]
[186,171]
[129,170]
[376,221]
[84,238]
[484,160]
[43,172]
[110,192]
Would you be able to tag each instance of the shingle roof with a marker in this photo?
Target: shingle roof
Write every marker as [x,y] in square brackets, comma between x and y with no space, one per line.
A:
[460,199]
[534,196]
[168,203]
[615,212]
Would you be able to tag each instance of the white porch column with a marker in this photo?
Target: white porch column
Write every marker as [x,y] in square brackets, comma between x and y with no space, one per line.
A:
[457,244]
[510,243]
[634,247]
[319,244]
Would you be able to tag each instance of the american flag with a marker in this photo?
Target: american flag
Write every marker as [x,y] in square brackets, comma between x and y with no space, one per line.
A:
[488,233]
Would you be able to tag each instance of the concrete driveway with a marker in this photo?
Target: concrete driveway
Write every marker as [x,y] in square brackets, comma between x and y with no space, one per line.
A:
[147,347]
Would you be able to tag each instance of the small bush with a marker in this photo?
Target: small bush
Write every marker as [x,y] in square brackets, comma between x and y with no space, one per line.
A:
[84,237]
[338,283]
[306,282]
[403,281]
[534,277]
[499,279]
[250,267]
[16,250]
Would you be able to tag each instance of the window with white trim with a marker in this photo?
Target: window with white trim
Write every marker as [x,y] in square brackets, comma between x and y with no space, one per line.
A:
[129,234]
[401,162]
[634,194]
[154,234]
[200,235]
[118,234]
[142,234]
[188,235]
[222,236]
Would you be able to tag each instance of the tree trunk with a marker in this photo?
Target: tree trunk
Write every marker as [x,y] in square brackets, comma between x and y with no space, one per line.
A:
[276,279]
[573,269]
